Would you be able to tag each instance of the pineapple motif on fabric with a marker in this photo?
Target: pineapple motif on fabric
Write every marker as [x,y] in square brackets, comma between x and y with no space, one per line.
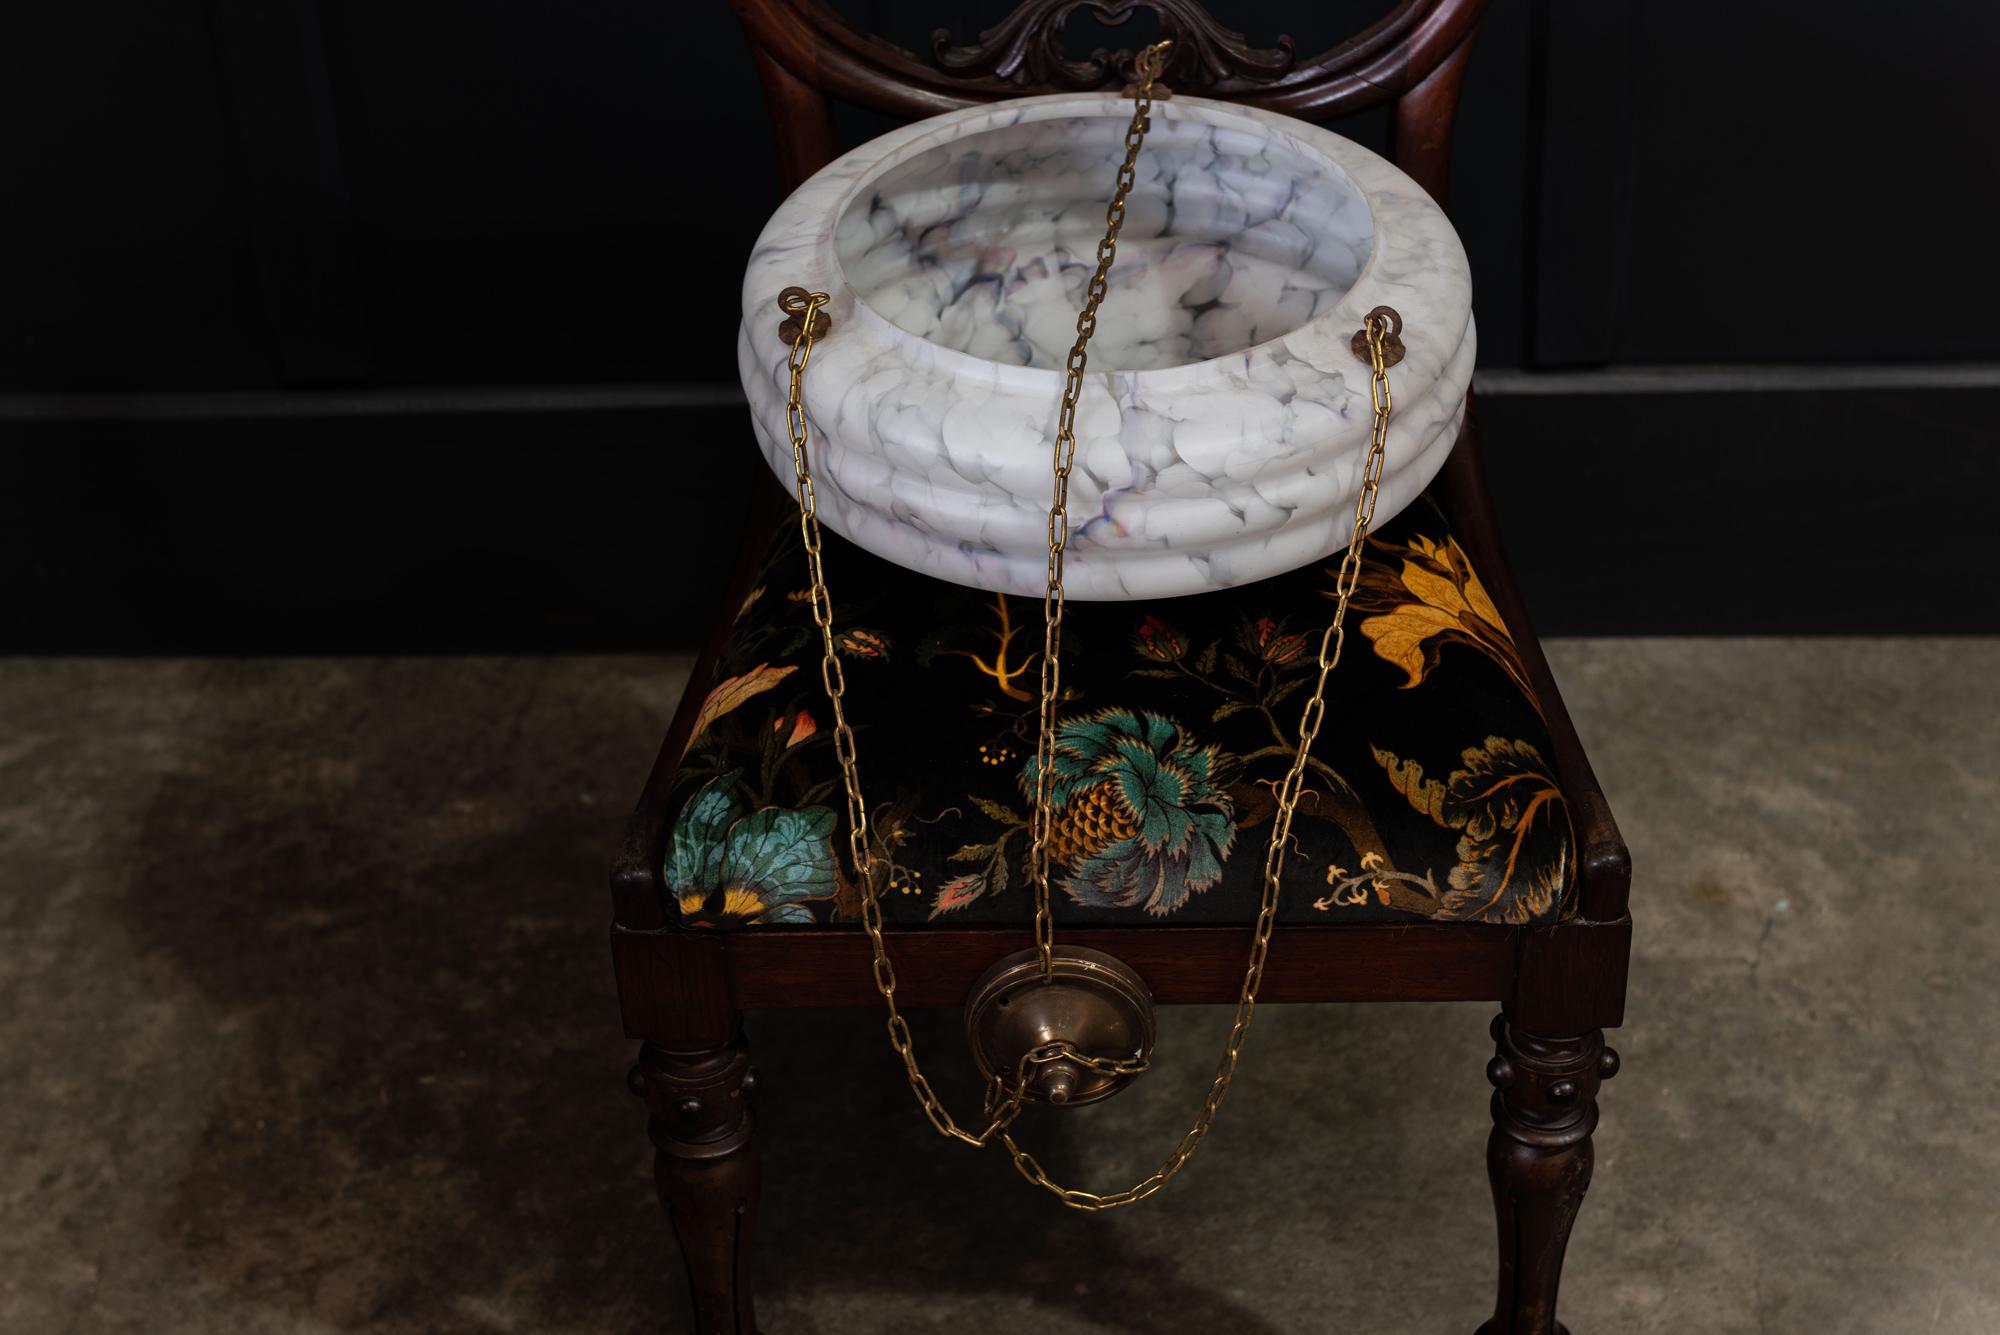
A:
[1139,818]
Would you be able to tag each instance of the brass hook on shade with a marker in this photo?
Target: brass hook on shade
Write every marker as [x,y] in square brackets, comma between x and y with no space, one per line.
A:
[800,305]
[1391,321]
[1148,66]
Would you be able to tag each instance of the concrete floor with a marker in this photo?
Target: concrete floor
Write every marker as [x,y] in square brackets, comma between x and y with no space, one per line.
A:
[306,1024]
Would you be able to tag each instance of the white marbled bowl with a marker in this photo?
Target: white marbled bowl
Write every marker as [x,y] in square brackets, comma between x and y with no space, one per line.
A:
[1225,417]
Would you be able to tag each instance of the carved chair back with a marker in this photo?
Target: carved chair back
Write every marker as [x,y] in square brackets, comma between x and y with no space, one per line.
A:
[1414,57]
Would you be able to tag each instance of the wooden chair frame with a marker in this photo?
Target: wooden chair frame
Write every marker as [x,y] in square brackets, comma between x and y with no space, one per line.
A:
[1559,986]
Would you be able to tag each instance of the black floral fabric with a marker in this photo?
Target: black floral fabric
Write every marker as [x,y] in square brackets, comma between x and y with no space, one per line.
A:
[1430,793]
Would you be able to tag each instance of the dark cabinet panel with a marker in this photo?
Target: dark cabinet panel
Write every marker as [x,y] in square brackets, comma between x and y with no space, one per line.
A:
[1813,182]
[612,527]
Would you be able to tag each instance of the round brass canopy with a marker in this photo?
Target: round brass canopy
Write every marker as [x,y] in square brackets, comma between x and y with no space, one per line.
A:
[1094,1002]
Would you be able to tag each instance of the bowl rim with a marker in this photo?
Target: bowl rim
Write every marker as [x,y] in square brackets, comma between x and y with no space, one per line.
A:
[810,218]
[905,145]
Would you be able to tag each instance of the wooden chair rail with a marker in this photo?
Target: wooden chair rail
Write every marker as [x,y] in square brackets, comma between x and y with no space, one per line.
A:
[673,981]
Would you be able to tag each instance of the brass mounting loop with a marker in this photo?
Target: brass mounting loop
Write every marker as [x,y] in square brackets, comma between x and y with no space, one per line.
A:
[1390,323]
[801,305]
[1147,67]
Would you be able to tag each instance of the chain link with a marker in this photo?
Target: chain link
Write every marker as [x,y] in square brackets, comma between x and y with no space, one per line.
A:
[1004,1097]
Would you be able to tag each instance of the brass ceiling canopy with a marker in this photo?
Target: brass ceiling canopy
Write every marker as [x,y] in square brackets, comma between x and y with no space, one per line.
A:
[1091,1001]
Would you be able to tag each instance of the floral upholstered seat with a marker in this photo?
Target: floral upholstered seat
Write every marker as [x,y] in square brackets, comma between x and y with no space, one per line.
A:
[1431,792]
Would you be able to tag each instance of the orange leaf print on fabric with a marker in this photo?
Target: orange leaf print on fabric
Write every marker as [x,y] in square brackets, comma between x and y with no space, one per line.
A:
[802,726]
[731,692]
[1515,841]
[1432,598]
[1399,636]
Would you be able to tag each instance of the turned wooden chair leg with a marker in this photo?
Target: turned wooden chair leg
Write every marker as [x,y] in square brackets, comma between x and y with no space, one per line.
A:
[1539,1160]
[705,1165]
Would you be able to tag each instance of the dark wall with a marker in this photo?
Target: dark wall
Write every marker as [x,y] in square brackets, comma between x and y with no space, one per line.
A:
[349,326]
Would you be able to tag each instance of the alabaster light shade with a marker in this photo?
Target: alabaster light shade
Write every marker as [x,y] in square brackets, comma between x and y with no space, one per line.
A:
[1225,416]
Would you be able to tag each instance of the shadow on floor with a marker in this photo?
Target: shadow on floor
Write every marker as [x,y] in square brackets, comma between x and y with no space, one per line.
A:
[389,877]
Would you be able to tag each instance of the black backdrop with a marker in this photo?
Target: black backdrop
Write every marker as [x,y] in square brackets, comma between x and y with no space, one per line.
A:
[353,326]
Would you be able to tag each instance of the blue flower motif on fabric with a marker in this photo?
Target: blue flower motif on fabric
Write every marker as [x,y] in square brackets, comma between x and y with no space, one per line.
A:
[730,866]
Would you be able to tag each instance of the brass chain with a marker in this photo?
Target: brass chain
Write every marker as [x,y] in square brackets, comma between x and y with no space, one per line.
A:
[1004,1098]
[1148,66]
[1332,640]
[805,307]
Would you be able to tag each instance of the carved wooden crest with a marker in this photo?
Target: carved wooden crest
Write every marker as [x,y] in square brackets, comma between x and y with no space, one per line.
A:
[1026,48]
[1413,55]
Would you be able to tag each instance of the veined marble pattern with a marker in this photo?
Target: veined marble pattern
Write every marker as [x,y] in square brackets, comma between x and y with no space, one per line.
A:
[1224,418]
[985,245]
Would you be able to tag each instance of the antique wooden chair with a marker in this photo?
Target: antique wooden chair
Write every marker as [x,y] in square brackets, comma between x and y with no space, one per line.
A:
[691,954]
